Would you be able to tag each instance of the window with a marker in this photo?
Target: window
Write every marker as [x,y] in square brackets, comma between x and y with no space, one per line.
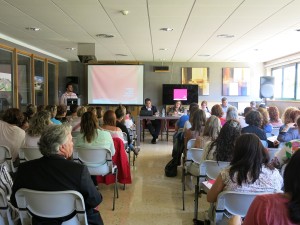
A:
[286,82]
[6,80]
[24,81]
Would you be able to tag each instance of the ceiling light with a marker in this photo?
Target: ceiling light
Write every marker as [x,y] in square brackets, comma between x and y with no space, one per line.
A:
[104,35]
[125,12]
[33,28]
[225,36]
[162,59]
[204,55]
[163,49]
[121,55]
[71,49]
[166,29]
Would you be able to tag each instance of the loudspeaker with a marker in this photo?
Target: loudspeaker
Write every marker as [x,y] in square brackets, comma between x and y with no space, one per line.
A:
[266,87]
[161,69]
[75,83]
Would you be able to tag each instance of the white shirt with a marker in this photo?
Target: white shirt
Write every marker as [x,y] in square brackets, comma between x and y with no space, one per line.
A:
[65,96]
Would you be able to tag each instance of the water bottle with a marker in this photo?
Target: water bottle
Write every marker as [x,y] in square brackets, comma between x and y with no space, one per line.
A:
[163,113]
[185,111]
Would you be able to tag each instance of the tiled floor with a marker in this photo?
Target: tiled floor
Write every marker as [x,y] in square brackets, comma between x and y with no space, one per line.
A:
[152,198]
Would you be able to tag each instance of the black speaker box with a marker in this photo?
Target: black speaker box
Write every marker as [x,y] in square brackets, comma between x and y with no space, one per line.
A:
[75,83]
[161,69]
[266,87]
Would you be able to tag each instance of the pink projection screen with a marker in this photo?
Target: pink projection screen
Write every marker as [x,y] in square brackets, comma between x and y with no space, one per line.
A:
[180,94]
[115,84]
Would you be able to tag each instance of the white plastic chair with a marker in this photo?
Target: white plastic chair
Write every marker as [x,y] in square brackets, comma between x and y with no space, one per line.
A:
[51,204]
[211,169]
[6,158]
[99,162]
[133,138]
[27,154]
[3,208]
[236,203]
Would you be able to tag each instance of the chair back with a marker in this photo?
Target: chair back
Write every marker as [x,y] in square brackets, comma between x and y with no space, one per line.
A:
[236,203]
[264,143]
[3,208]
[51,204]
[98,161]
[211,169]
[125,140]
[190,144]
[27,154]
[196,154]
[6,158]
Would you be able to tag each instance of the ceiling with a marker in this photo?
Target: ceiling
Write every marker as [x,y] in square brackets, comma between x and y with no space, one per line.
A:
[203,30]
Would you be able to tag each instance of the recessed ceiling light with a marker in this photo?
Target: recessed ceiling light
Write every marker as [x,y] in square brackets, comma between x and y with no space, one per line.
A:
[163,49]
[121,55]
[166,29]
[225,36]
[204,55]
[104,35]
[125,12]
[33,28]
[71,49]
[162,59]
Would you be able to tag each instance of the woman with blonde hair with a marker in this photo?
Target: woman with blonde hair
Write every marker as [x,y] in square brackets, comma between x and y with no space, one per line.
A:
[274,116]
[265,124]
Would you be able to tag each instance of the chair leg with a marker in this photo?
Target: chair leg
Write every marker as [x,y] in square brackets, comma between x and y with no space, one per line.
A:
[183,186]
[129,150]
[196,199]
[124,187]
[115,189]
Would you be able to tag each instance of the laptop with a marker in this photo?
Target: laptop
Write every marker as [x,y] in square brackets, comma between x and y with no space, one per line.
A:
[145,112]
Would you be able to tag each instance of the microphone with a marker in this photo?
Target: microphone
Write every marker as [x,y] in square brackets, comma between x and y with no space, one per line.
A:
[207,109]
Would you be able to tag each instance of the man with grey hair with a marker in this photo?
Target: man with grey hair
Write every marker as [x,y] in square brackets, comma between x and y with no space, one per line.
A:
[54,172]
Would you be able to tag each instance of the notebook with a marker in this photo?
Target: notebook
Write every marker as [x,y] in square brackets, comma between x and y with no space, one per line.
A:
[145,112]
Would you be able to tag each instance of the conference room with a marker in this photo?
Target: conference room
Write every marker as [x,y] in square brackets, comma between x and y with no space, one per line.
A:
[116,52]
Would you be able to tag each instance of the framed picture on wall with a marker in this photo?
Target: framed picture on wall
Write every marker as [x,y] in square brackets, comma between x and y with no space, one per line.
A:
[236,81]
[197,76]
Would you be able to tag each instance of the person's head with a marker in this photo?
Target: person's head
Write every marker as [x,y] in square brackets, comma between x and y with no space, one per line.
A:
[30,110]
[273,114]
[265,116]
[52,109]
[286,118]
[92,109]
[69,87]
[225,141]
[81,111]
[262,105]
[38,123]
[148,103]
[253,104]
[56,139]
[193,107]
[119,113]
[203,105]
[13,116]
[232,113]
[217,111]
[40,108]
[109,118]
[224,101]
[291,179]
[247,109]
[294,115]
[249,156]
[88,126]
[61,111]
[177,104]
[198,120]
[99,111]
[254,118]
[212,127]
[298,123]
[74,108]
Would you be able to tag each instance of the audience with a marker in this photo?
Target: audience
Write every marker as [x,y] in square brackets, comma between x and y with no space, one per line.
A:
[254,119]
[290,131]
[217,111]
[211,131]
[61,113]
[53,172]
[99,113]
[242,119]
[110,125]
[232,113]
[253,105]
[184,121]
[11,135]
[53,111]
[265,124]
[37,125]
[224,105]
[286,118]
[274,116]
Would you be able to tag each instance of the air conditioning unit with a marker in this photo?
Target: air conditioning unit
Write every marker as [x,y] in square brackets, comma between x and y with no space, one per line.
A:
[158,69]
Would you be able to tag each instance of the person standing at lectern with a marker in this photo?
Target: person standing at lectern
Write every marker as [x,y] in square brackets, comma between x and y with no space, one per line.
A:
[68,94]
[152,125]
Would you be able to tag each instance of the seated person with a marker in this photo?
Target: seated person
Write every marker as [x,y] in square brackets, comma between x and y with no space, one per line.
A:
[242,119]
[254,120]
[274,116]
[53,111]
[281,208]
[290,131]
[53,172]
[249,170]
[110,125]
[183,119]
[176,109]
[11,135]
[265,125]
[205,108]
[61,113]
[152,125]
[217,111]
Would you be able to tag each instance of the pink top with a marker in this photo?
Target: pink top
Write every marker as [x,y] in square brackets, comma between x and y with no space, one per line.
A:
[268,209]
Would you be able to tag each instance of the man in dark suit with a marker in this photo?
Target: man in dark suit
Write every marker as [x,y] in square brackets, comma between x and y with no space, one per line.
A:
[152,125]
[54,172]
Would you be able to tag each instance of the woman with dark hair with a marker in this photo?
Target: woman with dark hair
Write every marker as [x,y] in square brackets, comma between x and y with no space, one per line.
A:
[110,125]
[53,111]
[254,120]
[217,111]
[279,208]
[248,171]
[91,136]
[61,113]
[274,116]
[221,149]
[176,109]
